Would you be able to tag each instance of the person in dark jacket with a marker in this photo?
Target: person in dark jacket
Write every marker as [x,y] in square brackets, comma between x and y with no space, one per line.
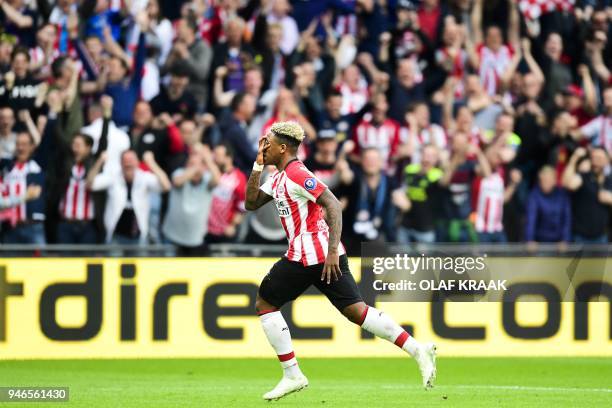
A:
[233,130]
[548,211]
[25,169]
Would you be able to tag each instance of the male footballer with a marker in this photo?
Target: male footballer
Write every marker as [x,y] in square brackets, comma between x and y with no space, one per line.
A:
[315,257]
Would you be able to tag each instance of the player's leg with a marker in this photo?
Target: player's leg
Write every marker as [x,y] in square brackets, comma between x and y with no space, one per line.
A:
[345,296]
[285,282]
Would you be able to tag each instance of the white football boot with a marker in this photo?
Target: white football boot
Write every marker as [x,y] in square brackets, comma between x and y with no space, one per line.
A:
[285,387]
[426,359]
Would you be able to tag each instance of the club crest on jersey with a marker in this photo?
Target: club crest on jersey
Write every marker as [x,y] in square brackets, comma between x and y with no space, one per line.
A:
[310,183]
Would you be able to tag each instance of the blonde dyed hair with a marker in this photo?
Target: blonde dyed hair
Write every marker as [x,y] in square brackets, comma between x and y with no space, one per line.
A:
[288,129]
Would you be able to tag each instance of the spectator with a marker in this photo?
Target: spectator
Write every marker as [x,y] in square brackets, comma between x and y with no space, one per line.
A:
[20,20]
[549,217]
[466,162]
[126,217]
[227,207]
[279,14]
[417,197]
[377,131]
[329,164]
[503,137]
[331,121]
[405,89]
[494,58]
[406,39]
[66,83]
[354,90]
[369,213]
[558,75]
[490,195]
[233,54]
[7,134]
[189,204]
[253,85]
[158,135]
[560,141]
[175,99]
[271,58]
[421,131]
[124,88]
[76,205]
[431,16]
[161,28]
[195,56]
[117,140]
[27,168]
[234,131]
[599,130]
[19,89]
[591,195]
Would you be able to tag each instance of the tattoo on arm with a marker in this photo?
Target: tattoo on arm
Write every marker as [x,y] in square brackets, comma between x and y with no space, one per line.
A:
[333,217]
[255,198]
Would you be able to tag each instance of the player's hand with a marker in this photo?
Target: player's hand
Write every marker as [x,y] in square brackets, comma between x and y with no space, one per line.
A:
[331,267]
[260,150]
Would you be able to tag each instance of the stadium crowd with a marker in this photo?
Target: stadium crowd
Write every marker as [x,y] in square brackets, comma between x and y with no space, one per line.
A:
[138,121]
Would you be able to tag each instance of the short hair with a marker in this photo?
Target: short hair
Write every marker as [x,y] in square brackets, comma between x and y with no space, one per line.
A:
[191,23]
[229,150]
[22,132]
[601,148]
[290,133]
[57,66]
[20,50]
[179,70]
[547,168]
[88,140]
[237,101]
[334,93]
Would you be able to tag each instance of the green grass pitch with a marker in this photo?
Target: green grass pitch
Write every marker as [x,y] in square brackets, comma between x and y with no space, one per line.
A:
[462,382]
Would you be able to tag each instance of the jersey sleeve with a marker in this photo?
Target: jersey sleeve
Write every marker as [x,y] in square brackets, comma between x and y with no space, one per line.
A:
[307,184]
[266,187]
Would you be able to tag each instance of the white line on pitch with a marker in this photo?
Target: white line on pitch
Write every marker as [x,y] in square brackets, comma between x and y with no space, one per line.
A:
[515,388]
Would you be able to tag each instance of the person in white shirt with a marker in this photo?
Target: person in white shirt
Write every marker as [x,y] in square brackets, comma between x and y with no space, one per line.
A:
[126,217]
[599,130]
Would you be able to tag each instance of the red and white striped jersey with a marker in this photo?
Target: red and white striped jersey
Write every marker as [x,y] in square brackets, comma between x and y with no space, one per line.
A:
[228,199]
[385,137]
[492,66]
[295,191]
[433,134]
[77,203]
[353,100]
[15,185]
[346,24]
[489,206]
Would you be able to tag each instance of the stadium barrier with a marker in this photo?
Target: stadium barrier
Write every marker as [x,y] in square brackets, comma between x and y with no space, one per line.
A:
[165,307]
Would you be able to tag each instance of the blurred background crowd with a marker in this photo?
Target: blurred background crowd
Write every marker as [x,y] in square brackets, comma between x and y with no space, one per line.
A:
[137,121]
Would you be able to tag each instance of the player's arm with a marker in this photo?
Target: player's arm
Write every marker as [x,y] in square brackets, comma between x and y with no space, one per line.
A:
[333,217]
[255,197]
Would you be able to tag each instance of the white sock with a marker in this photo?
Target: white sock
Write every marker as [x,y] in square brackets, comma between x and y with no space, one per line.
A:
[381,325]
[278,335]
